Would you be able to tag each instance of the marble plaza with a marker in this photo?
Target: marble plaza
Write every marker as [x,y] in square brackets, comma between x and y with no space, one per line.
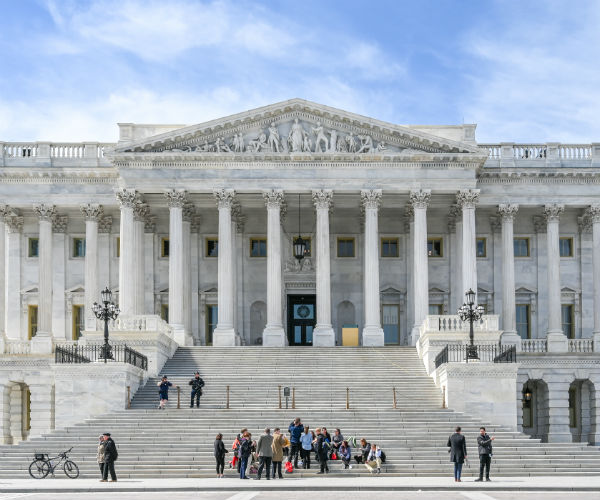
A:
[193,229]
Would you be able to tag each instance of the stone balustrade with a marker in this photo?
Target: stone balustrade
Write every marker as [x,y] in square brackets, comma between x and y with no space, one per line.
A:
[534,345]
[453,323]
[16,347]
[541,345]
[141,323]
[542,152]
[18,154]
[581,345]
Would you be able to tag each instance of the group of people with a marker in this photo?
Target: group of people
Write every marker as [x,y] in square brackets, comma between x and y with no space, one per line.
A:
[106,456]
[163,391]
[270,449]
[457,447]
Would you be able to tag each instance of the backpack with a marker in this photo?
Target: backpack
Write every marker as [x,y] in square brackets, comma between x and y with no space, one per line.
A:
[289,468]
[382,457]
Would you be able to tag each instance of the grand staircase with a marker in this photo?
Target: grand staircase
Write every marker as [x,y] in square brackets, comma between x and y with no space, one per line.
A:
[179,442]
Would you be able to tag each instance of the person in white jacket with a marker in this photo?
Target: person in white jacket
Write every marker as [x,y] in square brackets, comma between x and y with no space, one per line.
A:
[374,459]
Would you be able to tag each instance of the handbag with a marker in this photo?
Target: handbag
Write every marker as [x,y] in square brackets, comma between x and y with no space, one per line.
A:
[334,456]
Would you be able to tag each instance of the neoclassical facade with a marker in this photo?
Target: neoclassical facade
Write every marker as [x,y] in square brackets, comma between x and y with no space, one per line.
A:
[196,225]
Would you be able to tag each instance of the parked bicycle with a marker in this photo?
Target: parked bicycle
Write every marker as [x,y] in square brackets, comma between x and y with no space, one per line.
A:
[43,465]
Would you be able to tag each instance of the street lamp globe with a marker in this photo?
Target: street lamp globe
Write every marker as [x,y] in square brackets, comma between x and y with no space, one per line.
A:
[470,297]
[106,295]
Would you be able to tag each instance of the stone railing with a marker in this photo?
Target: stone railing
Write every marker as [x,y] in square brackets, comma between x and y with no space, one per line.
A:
[453,323]
[141,323]
[581,345]
[542,152]
[47,153]
[534,345]
[18,346]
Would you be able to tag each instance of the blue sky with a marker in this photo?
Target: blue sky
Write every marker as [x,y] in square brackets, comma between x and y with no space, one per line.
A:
[523,70]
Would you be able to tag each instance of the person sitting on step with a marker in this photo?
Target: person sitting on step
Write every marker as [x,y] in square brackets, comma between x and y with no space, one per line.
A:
[374,459]
[345,454]
[365,448]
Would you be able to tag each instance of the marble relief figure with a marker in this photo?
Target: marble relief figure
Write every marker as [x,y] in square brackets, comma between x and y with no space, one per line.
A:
[296,137]
[321,138]
[333,141]
[366,144]
[273,138]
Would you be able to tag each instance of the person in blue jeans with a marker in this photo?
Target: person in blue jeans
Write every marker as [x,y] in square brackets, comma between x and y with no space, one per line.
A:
[457,445]
[295,429]
[244,453]
[306,443]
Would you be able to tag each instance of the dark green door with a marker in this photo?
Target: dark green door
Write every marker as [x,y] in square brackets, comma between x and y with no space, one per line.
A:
[302,318]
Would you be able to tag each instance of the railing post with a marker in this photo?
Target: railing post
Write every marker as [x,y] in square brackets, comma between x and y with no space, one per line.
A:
[227,398]
[293,398]
[129,397]
[347,398]
[279,389]
[394,391]
[178,397]
[444,397]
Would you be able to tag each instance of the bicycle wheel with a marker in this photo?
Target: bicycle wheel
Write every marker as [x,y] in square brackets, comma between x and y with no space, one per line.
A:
[71,469]
[39,469]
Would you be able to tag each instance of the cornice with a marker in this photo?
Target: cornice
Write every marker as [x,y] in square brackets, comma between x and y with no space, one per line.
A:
[550,177]
[52,175]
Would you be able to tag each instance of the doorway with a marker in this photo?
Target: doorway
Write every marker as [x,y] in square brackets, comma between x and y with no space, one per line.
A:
[302,318]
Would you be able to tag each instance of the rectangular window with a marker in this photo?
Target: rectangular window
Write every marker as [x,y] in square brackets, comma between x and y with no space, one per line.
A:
[345,247]
[78,321]
[118,252]
[212,247]
[435,247]
[568,325]
[523,321]
[212,318]
[33,321]
[572,407]
[164,247]
[34,247]
[566,247]
[481,247]
[390,323]
[308,248]
[78,247]
[436,309]
[258,247]
[521,247]
[164,312]
[389,247]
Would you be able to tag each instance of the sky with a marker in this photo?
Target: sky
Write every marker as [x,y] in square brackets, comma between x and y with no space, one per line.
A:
[523,71]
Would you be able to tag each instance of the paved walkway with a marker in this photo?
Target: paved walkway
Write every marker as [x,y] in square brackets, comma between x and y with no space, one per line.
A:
[581,483]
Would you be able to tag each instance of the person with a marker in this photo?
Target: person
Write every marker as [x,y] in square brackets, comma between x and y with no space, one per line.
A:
[220,452]
[197,384]
[245,449]
[235,447]
[321,448]
[100,455]
[458,452]
[277,447]
[295,429]
[373,459]
[484,445]
[345,454]
[163,392]
[326,434]
[365,448]
[337,440]
[264,448]
[306,441]
[110,455]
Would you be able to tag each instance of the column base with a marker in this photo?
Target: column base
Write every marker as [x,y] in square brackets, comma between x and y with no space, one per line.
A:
[323,336]
[182,337]
[225,337]
[274,336]
[511,338]
[414,335]
[563,437]
[556,341]
[41,343]
[372,336]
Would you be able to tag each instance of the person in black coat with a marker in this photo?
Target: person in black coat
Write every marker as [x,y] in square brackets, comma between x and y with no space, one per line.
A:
[484,445]
[458,452]
[197,384]
[220,452]
[110,455]
[322,450]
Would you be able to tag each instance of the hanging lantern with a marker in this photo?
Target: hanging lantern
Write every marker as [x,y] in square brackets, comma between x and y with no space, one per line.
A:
[299,248]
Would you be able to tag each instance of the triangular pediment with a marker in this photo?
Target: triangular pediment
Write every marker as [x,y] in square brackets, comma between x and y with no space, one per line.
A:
[296,127]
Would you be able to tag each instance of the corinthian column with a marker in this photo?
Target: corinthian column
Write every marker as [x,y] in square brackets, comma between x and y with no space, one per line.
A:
[176,199]
[12,278]
[46,214]
[3,213]
[273,335]
[594,215]
[420,201]
[372,334]
[467,199]
[92,214]
[128,199]
[224,334]
[140,213]
[509,323]
[323,333]
[556,339]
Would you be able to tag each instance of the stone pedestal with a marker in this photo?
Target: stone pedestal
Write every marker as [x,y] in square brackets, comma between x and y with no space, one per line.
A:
[557,406]
[41,343]
[5,435]
[42,409]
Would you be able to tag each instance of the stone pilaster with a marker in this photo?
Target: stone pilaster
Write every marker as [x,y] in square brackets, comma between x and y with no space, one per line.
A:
[92,213]
[372,334]
[12,282]
[46,214]
[41,409]
[273,334]
[224,334]
[323,334]
[509,325]
[557,341]
[140,215]
[5,434]
[593,214]
[467,199]
[4,210]
[409,229]
[128,199]
[189,212]
[420,201]
[557,406]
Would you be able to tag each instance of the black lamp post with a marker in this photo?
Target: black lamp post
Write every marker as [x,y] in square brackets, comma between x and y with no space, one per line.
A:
[471,313]
[299,243]
[105,312]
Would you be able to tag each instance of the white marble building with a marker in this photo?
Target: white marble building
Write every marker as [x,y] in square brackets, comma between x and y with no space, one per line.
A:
[196,224]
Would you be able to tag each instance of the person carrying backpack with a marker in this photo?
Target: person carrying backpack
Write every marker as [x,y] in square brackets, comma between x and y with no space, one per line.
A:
[322,450]
[245,450]
[110,456]
[197,384]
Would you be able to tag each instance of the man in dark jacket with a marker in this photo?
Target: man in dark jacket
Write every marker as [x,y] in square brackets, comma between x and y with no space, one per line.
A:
[295,429]
[322,449]
[484,444]
[458,452]
[197,384]
[110,455]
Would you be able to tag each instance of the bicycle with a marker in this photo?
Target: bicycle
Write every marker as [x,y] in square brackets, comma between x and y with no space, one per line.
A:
[43,465]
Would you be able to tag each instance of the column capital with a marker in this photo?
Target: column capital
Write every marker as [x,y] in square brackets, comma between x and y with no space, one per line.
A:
[45,212]
[370,198]
[467,198]
[127,198]
[322,198]
[14,223]
[176,198]
[105,224]
[189,211]
[225,197]
[59,224]
[5,211]
[593,213]
[150,224]
[140,211]
[495,224]
[508,211]
[552,212]
[273,198]
[420,198]
[195,223]
[92,211]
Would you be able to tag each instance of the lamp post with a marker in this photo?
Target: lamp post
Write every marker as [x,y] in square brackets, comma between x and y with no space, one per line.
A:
[471,313]
[105,312]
